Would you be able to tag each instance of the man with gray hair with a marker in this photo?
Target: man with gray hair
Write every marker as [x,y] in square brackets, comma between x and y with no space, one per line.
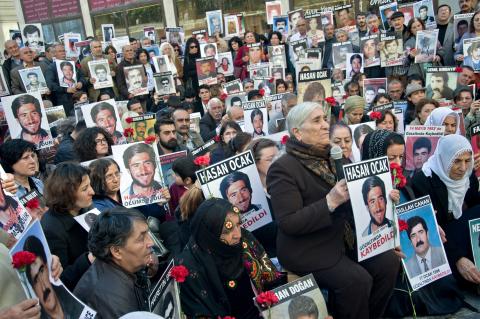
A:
[211,122]
[13,61]
[128,60]
[277,120]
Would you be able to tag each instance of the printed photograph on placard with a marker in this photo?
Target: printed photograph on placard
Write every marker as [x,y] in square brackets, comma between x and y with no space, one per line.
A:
[225,63]
[214,22]
[327,18]
[280,24]
[386,12]
[161,63]
[276,55]
[344,16]
[54,299]
[166,164]
[369,46]
[33,37]
[293,17]
[420,144]
[17,36]
[164,298]
[209,50]
[153,51]
[175,35]
[373,87]
[136,79]
[369,185]
[55,114]
[67,73]
[420,241]
[277,72]
[86,220]
[259,70]
[471,53]
[27,119]
[425,12]
[314,26]
[104,114]
[235,100]
[275,101]
[143,127]
[265,84]
[391,52]
[100,71]
[299,49]
[314,86]
[83,48]
[338,93]
[233,87]
[69,42]
[206,70]
[255,53]
[164,83]
[34,203]
[256,118]
[108,32]
[3,85]
[14,218]
[407,10]
[359,131]
[354,64]
[340,51]
[201,36]
[232,27]
[149,33]
[426,45]
[461,25]
[273,9]
[119,42]
[33,80]
[474,226]
[475,140]
[142,181]
[232,177]
[441,82]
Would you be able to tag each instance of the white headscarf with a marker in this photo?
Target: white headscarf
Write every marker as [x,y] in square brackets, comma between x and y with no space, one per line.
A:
[438,115]
[448,149]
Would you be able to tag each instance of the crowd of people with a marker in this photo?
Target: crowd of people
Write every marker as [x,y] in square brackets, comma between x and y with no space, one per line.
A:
[111,267]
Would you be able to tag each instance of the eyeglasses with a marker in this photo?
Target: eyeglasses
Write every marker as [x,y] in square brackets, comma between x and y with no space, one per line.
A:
[110,177]
[193,47]
[101,141]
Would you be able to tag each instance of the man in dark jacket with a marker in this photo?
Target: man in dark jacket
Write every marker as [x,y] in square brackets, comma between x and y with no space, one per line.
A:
[65,151]
[211,121]
[116,283]
[128,60]
[13,61]
[63,95]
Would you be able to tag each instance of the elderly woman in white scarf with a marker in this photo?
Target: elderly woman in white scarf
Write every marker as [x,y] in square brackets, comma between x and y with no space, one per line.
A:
[444,116]
[174,63]
[447,177]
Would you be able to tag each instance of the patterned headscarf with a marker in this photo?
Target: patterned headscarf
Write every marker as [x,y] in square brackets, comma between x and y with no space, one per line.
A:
[375,144]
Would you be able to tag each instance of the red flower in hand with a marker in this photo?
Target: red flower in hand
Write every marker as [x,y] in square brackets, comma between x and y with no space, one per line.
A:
[374,29]
[179,273]
[284,139]
[128,132]
[224,96]
[330,100]
[261,92]
[271,80]
[216,138]
[266,299]
[21,259]
[150,139]
[33,203]
[202,160]
[398,179]
[129,120]
[402,225]
[375,115]
[458,69]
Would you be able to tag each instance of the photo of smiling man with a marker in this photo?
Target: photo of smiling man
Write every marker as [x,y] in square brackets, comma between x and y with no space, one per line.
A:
[136,79]
[66,73]
[373,191]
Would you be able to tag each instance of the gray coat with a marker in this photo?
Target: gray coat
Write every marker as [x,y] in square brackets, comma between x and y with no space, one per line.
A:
[414,269]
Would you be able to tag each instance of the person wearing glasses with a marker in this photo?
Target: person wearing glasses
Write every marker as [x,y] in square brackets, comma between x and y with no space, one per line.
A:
[105,179]
[93,143]
[192,52]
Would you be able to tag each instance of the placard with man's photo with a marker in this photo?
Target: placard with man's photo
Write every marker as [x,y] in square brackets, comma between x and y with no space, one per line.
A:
[276,55]
[32,34]
[235,100]
[83,48]
[424,11]
[166,163]
[175,35]
[314,86]
[259,69]
[391,51]
[313,17]
[4,91]
[161,63]
[214,22]
[108,32]
[386,11]
[136,80]
[440,83]
[27,119]
[255,53]
[471,53]
[104,114]
[143,127]
[149,33]
[420,144]
[164,298]
[273,9]
[299,49]
[14,218]
[86,220]
[369,184]
[426,45]
[142,181]
[55,114]
[339,53]
[256,118]
[236,179]
[421,243]
[225,63]
[232,26]
[344,16]
[277,72]
[407,10]
[206,70]
[69,41]
[461,25]
[164,83]
[209,50]
[280,24]
[54,299]
[359,131]
[369,45]
[33,80]
[233,87]
[373,87]
[67,73]
[100,71]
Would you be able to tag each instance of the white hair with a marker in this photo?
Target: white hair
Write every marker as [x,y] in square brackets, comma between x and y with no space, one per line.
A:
[299,114]
[212,101]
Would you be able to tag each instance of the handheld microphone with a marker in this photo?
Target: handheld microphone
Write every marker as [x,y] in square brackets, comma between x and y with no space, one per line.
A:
[337,154]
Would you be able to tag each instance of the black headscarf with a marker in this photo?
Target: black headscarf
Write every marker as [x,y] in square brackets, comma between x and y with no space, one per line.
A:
[376,143]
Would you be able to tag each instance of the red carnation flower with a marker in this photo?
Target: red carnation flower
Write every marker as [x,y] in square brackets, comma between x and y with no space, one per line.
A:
[179,273]
[150,139]
[21,259]
[202,160]
[128,132]
[345,96]
[402,225]
[129,120]
[261,92]
[398,179]
[374,29]
[330,100]
[375,115]
[216,138]
[223,96]
[266,299]
[33,203]
[458,69]
[271,80]
[284,139]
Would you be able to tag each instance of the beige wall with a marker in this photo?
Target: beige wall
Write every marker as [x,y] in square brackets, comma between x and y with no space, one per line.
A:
[8,20]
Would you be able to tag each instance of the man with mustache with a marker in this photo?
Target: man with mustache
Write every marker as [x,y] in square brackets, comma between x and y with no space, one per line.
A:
[166,137]
[438,87]
[134,79]
[26,109]
[55,301]
[139,159]
[103,114]
[426,257]
[186,137]
[373,191]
